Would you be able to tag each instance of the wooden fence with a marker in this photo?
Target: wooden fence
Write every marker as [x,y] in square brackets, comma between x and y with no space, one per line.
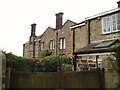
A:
[86,79]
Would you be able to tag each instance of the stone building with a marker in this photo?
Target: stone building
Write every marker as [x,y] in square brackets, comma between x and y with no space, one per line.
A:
[58,40]
[92,39]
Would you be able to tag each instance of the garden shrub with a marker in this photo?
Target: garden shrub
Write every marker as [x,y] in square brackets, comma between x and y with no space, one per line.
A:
[45,53]
[115,58]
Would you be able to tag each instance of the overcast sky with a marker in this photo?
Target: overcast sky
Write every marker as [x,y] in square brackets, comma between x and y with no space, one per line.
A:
[16,17]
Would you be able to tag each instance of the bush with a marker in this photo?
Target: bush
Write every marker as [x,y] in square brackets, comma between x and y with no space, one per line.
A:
[51,63]
[66,59]
[115,58]
[17,63]
[21,64]
[45,53]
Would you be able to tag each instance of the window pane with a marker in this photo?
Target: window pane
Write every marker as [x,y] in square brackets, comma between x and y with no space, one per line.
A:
[118,21]
[50,44]
[64,43]
[114,22]
[42,46]
[60,43]
[106,24]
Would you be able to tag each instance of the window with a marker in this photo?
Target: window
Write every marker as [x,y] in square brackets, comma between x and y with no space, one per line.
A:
[42,46]
[52,44]
[111,23]
[106,24]
[62,43]
[116,22]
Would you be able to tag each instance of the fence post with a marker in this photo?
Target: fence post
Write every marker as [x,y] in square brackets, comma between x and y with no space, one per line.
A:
[102,78]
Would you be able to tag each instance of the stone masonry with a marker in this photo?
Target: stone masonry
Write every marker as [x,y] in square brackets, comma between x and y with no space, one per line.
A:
[32,48]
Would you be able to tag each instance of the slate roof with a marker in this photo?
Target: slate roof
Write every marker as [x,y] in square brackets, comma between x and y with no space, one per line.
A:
[97,47]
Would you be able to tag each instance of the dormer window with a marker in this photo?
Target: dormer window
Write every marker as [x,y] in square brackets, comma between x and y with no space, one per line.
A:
[111,23]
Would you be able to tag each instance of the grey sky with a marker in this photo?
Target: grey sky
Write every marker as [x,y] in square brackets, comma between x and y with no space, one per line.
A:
[16,16]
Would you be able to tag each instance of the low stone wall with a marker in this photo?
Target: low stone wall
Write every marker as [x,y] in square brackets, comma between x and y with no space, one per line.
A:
[2,70]
[111,75]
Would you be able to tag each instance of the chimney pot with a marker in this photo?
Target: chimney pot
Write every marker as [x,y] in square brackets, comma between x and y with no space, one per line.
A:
[118,4]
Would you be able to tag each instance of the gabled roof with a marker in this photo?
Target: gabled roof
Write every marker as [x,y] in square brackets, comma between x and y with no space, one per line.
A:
[67,22]
[47,29]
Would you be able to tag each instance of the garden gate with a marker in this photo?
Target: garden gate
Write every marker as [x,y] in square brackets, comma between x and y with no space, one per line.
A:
[58,80]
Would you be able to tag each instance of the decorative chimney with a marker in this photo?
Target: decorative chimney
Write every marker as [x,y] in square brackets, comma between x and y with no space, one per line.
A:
[118,4]
[33,28]
[59,17]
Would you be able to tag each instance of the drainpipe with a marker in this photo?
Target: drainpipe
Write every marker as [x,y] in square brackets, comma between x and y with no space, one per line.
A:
[34,49]
[74,62]
[88,29]
[73,40]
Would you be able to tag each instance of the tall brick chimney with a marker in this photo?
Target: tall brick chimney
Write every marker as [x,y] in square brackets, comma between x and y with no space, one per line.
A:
[118,4]
[59,19]
[33,36]
[33,27]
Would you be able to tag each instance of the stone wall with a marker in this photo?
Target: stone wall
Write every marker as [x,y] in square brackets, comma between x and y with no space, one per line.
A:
[96,32]
[66,33]
[81,37]
[48,35]
[111,75]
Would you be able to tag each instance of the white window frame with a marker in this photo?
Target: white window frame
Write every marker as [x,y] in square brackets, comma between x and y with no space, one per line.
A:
[116,22]
[52,45]
[110,23]
[62,43]
[105,26]
[42,46]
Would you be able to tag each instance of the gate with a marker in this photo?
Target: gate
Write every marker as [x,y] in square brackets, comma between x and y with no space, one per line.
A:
[58,80]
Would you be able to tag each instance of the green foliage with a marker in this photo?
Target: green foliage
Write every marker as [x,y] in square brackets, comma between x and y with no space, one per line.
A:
[17,63]
[45,53]
[66,67]
[66,59]
[21,64]
[45,63]
[66,63]
[51,63]
[39,67]
[115,58]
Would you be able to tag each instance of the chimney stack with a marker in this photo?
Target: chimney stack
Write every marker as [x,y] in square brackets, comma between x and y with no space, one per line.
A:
[118,4]
[59,19]
[33,27]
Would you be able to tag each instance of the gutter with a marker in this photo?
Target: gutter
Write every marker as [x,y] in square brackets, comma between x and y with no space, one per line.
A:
[94,51]
[95,16]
